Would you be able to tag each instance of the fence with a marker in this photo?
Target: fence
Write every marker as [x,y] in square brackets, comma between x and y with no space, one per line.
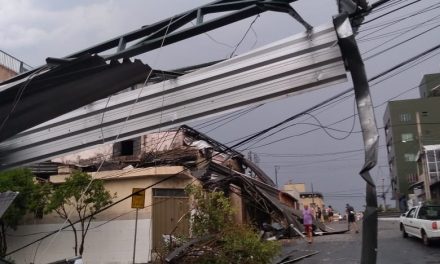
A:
[11,63]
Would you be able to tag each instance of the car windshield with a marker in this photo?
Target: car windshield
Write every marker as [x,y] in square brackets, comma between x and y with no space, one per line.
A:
[430,212]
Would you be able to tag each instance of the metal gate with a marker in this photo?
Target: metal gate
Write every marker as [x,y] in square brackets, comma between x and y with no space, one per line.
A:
[170,215]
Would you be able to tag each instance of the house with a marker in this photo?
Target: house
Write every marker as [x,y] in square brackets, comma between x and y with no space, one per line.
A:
[298,191]
[166,162]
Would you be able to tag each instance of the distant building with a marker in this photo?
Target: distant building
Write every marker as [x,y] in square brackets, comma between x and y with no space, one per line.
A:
[409,124]
[298,191]
[10,66]
[427,187]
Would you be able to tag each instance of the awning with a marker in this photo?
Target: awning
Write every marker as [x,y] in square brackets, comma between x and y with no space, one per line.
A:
[414,185]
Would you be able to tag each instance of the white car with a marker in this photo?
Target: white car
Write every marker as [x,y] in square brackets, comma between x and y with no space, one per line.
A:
[421,221]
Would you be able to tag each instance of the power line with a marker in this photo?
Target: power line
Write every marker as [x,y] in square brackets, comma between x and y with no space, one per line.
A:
[400,43]
[244,36]
[387,24]
[378,76]
[242,142]
[392,11]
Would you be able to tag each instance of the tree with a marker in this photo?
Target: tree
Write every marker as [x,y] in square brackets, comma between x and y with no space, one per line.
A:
[29,199]
[84,196]
[230,242]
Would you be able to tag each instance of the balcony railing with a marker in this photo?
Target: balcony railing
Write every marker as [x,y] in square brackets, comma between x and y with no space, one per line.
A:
[11,63]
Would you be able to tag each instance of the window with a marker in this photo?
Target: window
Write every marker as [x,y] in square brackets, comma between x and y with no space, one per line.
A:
[409,157]
[406,137]
[405,117]
[433,177]
[433,212]
[431,155]
[127,148]
[425,113]
[410,214]
[432,167]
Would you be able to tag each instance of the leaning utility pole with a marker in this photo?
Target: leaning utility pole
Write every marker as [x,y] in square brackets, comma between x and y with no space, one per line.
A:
[276,174]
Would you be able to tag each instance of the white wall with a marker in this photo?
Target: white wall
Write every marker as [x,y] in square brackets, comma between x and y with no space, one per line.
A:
[109,243]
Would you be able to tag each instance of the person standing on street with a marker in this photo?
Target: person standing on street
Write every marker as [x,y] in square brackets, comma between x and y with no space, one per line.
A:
[318,214]
[330,214]
[351,216]
[308,221]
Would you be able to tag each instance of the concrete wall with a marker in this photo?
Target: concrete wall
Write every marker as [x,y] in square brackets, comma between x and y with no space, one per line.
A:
[122,183]
[106,243]
[294,189]
[110,242]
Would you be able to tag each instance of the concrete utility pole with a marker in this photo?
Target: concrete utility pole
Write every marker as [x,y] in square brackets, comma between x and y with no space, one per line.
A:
[276,174]
[250,158]
[313,196]
[384,196]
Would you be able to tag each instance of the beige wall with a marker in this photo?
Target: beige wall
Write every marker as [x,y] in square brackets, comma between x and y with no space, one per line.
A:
[292,189]
[122,183]
[6,73]
[116,234]
[318,202]
[299,187]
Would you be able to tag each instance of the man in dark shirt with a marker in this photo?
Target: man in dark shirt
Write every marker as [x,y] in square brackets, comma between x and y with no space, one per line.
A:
[351,216]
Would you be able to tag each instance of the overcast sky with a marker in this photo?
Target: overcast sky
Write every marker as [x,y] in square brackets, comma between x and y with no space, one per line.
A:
[33,30]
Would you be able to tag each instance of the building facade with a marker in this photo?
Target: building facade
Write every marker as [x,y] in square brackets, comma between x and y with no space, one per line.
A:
[427,187]
[165,164]
[410,124]
[10,66]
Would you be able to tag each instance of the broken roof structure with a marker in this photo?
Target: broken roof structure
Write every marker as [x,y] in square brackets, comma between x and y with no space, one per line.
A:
[213,164]
[343,56]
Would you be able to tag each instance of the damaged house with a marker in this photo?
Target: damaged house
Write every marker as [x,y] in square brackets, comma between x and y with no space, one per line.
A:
[184,156]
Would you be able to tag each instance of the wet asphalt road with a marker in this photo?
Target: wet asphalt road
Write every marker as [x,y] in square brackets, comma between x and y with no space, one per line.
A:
[346,248]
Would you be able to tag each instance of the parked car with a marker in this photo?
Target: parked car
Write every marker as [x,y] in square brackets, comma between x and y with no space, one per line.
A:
[422,221]
[337,217]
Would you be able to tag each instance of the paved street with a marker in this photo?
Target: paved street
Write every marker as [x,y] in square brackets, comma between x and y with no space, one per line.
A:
[346,248]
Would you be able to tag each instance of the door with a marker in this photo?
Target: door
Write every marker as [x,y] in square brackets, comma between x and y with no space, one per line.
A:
[170,216]
[409,222]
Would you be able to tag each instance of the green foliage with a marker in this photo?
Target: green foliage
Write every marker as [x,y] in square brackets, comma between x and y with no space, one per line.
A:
[242,244]
[80,192]
[29,199]
[84,196]
[18,180]
[213,211]
[232,243]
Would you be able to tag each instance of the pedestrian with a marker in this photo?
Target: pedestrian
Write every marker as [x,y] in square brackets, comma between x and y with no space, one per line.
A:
[351,216]
[318,214]
[330,213]
[308,221]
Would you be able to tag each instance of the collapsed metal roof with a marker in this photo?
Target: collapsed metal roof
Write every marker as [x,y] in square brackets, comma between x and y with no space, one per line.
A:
[60,87]
[287,67]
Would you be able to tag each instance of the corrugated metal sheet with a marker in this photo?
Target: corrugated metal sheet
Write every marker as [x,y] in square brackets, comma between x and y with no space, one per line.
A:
[56,90]
[6,198]
[281,69]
